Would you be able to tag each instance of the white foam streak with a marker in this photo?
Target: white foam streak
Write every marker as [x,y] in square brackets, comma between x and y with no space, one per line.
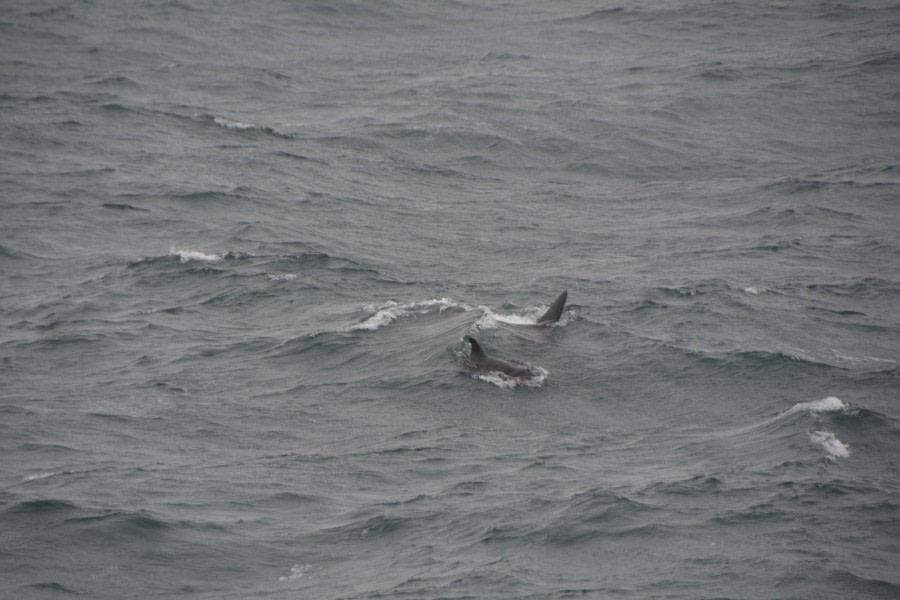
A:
[504,382]
[490,319]
[834,448]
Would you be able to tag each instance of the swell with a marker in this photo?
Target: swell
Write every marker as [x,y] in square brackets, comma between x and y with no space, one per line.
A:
[198,123]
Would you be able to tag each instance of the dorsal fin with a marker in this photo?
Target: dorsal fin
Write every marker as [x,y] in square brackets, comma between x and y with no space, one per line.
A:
[555,311]
[476,348]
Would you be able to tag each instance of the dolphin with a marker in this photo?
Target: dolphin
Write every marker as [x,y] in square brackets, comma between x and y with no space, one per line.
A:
[480,361]
[555,311]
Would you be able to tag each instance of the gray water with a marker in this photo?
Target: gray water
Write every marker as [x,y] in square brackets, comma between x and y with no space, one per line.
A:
[242,244]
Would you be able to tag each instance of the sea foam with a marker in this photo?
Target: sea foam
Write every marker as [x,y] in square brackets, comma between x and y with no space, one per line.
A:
[38,476]
[297,572]
[187,256]
[829,404]
[231,124]
[509,383]
[491,320]
[387,313]
[240,126]
[834,448]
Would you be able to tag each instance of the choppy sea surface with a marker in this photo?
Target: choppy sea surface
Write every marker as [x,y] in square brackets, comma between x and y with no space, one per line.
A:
[242,244]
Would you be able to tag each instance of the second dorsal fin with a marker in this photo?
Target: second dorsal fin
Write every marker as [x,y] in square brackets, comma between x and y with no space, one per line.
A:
[476,348]
[555,311]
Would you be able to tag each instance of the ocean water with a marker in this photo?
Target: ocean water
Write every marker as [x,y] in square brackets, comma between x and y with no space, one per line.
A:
[242,243]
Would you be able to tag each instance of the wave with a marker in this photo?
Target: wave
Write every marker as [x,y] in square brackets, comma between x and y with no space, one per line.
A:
[416,360]
[871,287]
[178,113]
[275,267]
[43,506]
[755,291]
[800,185]
[806,432]
[122,207]
[601,14]
[53,588]
[236,125]
[39,476]
[109,525]
[580,518]
[186,256]
[389,312]
[297,572]
[115,81]
[9,253]
[491,319]
[826,405]
[662,295]
[833,447]
[510,383]
[382,315]
[442,135]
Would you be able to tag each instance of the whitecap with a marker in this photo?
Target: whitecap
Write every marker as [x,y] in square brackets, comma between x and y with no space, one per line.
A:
[230,124]
[281,276]
[834,448]
[487,320]
[297,572]
[755,291]
[379,319]
[186,256]
[386,313]
[240,126]
[38,476]
[829,404]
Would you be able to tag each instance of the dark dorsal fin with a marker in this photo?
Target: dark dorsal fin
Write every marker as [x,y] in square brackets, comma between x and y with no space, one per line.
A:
[555,311]
[477,352]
